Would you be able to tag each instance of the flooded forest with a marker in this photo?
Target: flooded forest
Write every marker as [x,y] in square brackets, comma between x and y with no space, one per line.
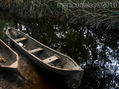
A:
[85,30]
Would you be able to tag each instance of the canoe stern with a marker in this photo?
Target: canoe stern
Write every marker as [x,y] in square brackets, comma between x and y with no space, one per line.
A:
[73,78]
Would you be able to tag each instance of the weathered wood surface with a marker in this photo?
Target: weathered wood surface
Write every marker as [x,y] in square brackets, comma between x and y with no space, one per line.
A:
[35,50]
[21,39]
[50,59]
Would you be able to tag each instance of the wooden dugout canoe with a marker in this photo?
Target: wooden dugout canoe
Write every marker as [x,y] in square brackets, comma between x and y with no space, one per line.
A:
[8,58]
[45,57]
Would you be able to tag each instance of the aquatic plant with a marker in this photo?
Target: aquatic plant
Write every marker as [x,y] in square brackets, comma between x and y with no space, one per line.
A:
[64,10]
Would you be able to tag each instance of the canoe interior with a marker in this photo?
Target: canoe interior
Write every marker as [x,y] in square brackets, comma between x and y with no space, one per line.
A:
[30,44]
[8,56]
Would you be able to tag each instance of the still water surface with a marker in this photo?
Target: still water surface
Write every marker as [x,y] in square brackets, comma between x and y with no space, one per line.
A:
[96,51]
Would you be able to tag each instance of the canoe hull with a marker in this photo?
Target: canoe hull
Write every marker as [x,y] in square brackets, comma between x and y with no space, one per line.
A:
[10,56]
[73,76]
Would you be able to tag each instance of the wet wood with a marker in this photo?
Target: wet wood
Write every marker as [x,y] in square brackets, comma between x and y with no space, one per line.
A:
[35,50]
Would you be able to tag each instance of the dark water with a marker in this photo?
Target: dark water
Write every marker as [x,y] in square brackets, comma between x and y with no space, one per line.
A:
[96,51]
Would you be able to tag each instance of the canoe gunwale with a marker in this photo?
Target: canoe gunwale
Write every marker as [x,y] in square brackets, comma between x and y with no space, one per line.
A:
[61,69]
[14,65]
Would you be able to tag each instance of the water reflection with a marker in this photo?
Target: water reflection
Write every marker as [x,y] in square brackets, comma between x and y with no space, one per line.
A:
[97,51]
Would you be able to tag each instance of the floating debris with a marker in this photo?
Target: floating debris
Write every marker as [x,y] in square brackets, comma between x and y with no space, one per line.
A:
[20,44]
[2,59]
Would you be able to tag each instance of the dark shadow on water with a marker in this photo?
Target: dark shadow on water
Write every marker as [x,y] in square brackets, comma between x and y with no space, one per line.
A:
[11,76]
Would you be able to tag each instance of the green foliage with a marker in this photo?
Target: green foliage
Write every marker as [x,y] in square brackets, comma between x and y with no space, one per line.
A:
[60,8]
[4,22]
